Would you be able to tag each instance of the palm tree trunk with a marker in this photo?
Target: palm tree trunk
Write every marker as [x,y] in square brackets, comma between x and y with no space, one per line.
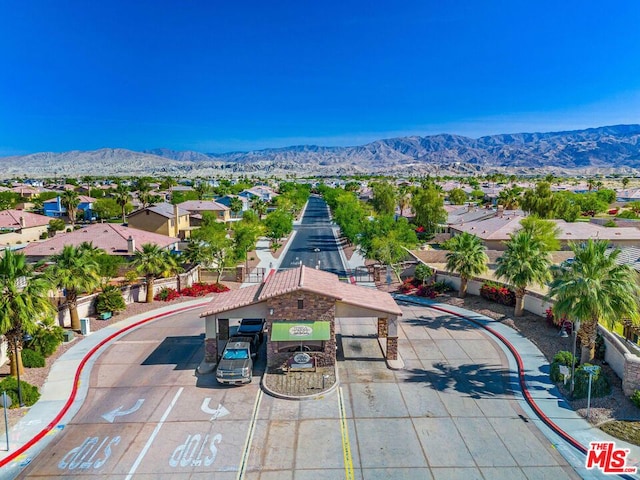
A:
[463,287]
[124,220]
[519,310]
[588,333]
[150,281]
[15,361]
[73,311]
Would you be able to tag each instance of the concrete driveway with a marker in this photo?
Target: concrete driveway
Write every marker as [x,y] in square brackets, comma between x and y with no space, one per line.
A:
[448,415]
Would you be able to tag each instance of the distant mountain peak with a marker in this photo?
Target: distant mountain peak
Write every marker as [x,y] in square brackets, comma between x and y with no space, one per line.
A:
[607,147]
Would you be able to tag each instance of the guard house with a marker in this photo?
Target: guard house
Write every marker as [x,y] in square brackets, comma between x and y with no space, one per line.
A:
[299,307]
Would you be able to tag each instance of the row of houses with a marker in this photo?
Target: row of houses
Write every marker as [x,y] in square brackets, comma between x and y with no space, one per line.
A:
[494,227]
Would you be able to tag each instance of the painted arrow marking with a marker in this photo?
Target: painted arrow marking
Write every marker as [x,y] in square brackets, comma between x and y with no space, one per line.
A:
[118,412]
[216,412]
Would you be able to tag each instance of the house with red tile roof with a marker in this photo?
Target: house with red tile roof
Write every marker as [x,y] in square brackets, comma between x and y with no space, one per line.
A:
[299,307]
[113,238]
[18,226]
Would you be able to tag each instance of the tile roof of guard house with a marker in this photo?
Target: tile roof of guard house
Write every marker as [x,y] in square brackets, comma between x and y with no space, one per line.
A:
[110,237]
[308,280]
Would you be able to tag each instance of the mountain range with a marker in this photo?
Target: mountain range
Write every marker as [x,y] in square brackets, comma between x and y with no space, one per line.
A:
[602,149]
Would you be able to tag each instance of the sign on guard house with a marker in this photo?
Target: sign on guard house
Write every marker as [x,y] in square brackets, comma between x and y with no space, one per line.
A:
[300,331]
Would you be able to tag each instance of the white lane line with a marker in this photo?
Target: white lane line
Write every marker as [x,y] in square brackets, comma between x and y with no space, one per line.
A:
[247,443]
[144,451]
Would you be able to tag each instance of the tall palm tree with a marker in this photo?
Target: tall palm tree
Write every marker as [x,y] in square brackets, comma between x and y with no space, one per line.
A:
[593,289]
[122,196]
[467,257]
[70,201]
[525,262]
[260,207]
[23,302]
[151,262]
[75,270]
[235,205]
[404,200]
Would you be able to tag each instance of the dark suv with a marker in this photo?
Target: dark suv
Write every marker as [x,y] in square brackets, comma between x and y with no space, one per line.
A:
[252,326]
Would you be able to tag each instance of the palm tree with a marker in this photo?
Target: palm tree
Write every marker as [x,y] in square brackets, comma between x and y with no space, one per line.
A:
[174,267]
[404,200]
[593,289]
[202,189]
[509,198]
[526,261]
[151,262]
[235,205]
[24,302]
[70,201]
[260,207]
[75,270]
[467,257]
[122,196]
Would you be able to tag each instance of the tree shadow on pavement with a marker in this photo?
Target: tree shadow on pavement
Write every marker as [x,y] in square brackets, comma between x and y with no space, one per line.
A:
[474,380]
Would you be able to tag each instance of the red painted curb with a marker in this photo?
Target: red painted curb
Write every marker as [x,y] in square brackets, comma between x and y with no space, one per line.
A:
[525,391]
[76,381]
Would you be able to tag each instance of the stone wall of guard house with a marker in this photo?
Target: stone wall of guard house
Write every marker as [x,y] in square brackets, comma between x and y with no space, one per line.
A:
[315,307]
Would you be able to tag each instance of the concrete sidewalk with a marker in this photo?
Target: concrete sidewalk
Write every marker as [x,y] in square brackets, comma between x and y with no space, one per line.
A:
[543,392]
[59,385]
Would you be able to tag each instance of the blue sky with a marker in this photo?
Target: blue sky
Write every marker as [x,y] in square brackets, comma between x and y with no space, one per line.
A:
[219,76]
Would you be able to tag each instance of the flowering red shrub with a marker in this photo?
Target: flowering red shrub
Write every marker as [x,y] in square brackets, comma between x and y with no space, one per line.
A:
[407,286]
[201,289]
[195,290]
[498,294]
[167,294]
[552,320]
[427,291]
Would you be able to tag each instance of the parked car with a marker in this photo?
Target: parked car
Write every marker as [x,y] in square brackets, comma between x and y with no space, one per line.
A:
[235,366]
[252,326]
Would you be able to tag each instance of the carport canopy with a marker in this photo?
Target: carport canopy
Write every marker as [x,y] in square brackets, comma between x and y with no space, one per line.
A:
[300,331]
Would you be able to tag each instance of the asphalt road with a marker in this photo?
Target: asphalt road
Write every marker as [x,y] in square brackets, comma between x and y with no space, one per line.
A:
[314,243]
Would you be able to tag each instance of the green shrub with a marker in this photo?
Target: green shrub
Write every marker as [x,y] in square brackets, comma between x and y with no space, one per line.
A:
[32,359]
[441,286]
[635,398]
[561,358]
[30,394]
[423,272]
[131,276]
[110,300]
[600,385]
[46,338]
